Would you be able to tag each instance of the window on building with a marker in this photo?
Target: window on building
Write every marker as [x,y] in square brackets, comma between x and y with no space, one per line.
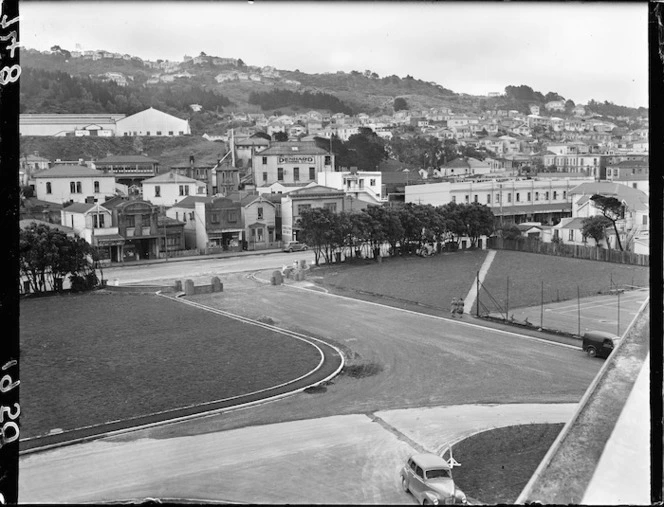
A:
[555,195]
[264,160]
[475,199]
[372,182]
[184,189]
[96,185]
[332,206]
[564,194]
[214,218]
[328,160]
[259,212]
[264,177]
[509,196]
[157,191]
[303,207]
[546,195]
[312,173]
[645,220]
[537,196]
[633,185]
[72,187]
[184,217]
[170,132]
[158,132]
[147,133]
[571,234]
[232,216]
[280,174]
[498,197]
[130,220]
[528,197]
[181,132]
[454,198]
[488,198]
[518,197]
[296,174]
[48,187]
[98,221]
[466,198]
[191,216]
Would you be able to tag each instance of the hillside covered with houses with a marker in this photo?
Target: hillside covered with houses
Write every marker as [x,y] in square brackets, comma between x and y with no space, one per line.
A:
[221,172]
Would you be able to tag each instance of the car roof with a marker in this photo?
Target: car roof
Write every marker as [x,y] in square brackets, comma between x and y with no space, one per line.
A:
[428,460]
[600,335]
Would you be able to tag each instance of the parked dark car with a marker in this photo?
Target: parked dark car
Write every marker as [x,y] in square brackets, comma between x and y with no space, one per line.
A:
[599,343]
[428,477]
[295,246]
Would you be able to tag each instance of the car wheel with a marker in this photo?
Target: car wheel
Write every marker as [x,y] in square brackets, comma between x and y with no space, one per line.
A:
[592,352]
[426,502]
[304,248]
[404,484]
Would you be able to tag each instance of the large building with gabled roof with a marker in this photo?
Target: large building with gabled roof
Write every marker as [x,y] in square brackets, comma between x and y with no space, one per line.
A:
[290,162]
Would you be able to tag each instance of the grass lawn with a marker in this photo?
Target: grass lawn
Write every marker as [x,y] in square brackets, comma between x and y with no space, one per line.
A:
[497,464]
[136,354]
[561,275]
[431,281]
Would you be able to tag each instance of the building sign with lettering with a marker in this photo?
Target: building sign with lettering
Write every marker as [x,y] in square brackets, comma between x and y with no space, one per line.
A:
[304,159]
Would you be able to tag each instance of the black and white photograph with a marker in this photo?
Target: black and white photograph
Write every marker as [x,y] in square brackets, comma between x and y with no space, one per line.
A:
[364,253]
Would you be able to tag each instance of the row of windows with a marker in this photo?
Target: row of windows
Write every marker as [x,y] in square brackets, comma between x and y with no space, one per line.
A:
[517,195]
[135,133]
[332,206]
[231,217]
[328,160]
[75,187]
[130,220]
[296,174]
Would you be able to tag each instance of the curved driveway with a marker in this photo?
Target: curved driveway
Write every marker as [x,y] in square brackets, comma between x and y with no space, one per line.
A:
[410,383]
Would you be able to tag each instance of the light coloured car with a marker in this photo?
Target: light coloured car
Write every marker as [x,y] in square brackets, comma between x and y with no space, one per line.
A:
[428,477]
[295,246]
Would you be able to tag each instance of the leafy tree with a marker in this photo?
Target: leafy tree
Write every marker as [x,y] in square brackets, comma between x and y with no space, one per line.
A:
[612,209]
[400,104]
[510,231]
[368,150]
[316,225]
[478,220]
[47,255]
[280,136]
[551,96]
[595,227]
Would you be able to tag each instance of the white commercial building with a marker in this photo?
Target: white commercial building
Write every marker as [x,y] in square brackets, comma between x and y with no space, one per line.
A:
[169,188]
[544,200]
[73,183]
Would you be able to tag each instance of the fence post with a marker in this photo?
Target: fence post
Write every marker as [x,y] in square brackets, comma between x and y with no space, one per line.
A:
[507,300]
[578,305]
[542,307]
[477,283]
[618,332]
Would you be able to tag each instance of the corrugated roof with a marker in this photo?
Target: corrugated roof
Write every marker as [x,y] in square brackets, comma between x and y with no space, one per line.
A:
[171,177]
[68,171]
[127,159]
[79,207]
[191,200]
[633,198]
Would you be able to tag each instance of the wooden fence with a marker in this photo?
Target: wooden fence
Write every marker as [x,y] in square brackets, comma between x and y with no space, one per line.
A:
[565,250]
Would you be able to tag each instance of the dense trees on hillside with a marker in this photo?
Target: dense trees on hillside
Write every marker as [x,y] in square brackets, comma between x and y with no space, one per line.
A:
[283,98]
[45,91]
[610,109]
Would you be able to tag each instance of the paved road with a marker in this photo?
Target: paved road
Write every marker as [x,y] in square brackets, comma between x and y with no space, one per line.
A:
[325,447]
[350,459]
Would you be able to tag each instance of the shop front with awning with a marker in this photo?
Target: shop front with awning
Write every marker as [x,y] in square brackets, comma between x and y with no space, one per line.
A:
[224,240]
[109,247]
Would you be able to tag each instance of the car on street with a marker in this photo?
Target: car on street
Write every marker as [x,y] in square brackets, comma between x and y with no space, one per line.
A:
[599,343]
[295,246]
[428,477]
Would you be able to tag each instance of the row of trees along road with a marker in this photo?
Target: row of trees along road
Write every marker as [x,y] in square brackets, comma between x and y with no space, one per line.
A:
[47,256]
[406,228]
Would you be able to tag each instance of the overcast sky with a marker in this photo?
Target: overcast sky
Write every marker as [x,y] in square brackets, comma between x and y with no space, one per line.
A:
[580,50]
